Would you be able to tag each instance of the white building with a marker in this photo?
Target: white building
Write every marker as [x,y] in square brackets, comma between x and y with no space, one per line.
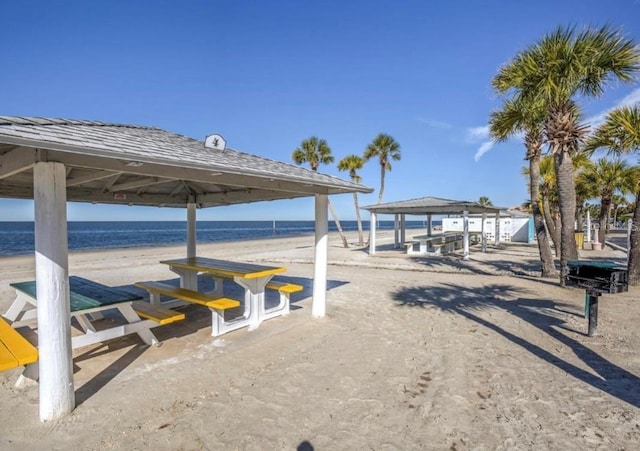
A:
[514,226]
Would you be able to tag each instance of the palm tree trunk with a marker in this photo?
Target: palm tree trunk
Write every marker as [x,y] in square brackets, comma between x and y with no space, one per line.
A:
[552,225]
[546,259]
[605,208]
[633,265]
[359,220]
[381,183]
[338,226]
[567,201]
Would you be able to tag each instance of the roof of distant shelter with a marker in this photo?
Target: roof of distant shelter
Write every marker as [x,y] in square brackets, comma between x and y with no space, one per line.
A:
[137,165]
[430,205]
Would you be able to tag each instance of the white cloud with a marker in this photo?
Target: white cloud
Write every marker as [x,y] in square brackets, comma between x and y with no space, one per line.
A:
[477,134]
[435,124]
[484,148]
[631,99]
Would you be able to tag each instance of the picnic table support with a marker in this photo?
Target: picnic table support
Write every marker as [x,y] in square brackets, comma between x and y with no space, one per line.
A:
[318,306]
[57,396]
[591,311]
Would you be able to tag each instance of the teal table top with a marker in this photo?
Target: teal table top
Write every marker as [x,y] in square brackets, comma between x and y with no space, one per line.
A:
[596,263]
[85,294]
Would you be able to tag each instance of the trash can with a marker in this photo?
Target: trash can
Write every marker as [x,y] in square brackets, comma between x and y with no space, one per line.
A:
[579,239]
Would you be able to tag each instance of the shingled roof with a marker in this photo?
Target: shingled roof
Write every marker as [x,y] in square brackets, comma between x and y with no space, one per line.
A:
[138,165]
[430,205]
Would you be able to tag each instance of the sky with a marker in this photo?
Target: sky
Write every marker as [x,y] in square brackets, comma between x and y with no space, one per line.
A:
[268,74]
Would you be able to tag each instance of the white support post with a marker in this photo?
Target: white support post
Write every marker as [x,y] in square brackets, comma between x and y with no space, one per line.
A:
[55,360]
[497,238]
[465,235]
[319,302]
[589,226]
[482,235]
[396,231]
[191,229]
[372,234]
[429,224]
[403,229]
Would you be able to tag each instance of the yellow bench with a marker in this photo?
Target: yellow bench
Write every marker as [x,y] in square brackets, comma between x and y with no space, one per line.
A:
[15,350]
[217,304]
[195,297]
[284,287]
[156,313]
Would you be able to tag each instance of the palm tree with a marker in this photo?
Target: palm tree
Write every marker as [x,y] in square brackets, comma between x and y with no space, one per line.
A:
[315,152]
[620,133]
[620,202]
[385,148]
[549,200]
[562,66]
[584,190]
[354,163]
[485,201]
[503,124]
[610,177]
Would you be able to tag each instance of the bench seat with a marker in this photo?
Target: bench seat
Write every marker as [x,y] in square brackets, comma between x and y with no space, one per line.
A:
[195,297]
[284,287]
[156,313]
[217,304]
[15,350]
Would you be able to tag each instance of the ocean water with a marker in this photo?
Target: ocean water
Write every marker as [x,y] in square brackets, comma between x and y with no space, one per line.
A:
[17,238]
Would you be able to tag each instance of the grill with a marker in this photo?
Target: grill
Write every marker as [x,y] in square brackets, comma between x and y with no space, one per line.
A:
[603,277]
[597,278]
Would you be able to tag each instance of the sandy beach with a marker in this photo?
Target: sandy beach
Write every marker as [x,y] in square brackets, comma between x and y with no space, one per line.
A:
[414,354]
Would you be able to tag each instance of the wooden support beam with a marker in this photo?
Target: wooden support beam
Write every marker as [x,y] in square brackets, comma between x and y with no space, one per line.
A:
[17,160]
[91,177]
[140,182]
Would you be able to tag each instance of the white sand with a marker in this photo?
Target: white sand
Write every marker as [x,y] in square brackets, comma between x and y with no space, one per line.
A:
[413,354]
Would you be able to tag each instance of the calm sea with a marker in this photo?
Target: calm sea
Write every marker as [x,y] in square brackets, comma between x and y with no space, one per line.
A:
[16,238]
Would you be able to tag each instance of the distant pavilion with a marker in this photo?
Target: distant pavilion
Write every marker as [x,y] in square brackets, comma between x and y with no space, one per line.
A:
[428,206]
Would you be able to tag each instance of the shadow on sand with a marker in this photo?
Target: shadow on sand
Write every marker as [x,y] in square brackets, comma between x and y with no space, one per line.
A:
[197,318]
[543,314]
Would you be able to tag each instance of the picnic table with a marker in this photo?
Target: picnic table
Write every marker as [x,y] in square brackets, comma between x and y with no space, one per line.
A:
[253,278]
[88,301]
[439,243]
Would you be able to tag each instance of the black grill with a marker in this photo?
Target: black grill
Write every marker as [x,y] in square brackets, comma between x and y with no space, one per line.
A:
[603,277]
[597,278]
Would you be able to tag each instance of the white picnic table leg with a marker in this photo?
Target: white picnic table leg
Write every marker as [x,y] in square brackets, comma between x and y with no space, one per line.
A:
[219,287]
[17,307]
[188,278]
[132,317]
[85,323]
[254,290]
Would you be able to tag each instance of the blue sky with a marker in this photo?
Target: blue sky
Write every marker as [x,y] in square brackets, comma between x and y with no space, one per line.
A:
[267,75]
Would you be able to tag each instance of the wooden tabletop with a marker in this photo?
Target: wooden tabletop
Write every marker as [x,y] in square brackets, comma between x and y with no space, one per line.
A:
[85,293]
[226,267]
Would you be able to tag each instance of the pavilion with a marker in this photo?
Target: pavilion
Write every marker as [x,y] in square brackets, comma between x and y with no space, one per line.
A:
[53,161]
[428,206]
